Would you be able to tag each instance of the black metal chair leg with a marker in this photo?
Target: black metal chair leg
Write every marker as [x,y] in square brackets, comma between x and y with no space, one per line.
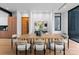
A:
[64,52]
[64,49]
[16,51]
[25,52]
[54,52]
[35,51]
[44,51]
[30,49]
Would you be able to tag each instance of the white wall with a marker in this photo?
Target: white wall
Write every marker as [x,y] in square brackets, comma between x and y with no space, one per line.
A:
[43,16]
[64,22]
[3,18]
[52,20]
[18,22]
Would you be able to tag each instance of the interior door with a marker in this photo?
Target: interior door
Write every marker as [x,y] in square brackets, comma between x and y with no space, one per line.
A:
[25,25]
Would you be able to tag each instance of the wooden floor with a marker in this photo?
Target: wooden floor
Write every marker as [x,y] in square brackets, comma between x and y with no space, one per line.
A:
[5,48]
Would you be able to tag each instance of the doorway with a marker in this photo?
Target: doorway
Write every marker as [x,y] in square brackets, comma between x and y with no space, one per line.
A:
[25,25]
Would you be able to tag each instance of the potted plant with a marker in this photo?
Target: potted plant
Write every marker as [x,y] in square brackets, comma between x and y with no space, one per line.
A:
[39,28]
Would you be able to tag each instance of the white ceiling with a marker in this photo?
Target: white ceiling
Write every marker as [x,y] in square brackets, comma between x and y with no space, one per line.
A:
[31,6]
[68,6]
[38,6]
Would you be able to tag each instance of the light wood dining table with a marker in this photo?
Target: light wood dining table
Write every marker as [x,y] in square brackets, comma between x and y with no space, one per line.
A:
[46,37]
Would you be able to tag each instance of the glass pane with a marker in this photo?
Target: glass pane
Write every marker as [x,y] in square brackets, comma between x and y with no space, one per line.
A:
[57,23]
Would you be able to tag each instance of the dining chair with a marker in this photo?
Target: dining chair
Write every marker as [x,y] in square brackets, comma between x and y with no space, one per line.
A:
[13,40]
[23,45]
[51,45]
[59,46]
[66,37]
[40,46]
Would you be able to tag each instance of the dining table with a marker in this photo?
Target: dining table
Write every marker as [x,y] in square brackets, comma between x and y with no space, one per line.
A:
[46,37]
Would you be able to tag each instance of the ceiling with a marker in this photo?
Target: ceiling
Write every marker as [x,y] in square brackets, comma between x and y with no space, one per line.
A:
[69,6]
[23,7]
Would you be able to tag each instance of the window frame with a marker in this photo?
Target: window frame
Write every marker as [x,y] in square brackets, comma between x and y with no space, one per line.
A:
[59,21]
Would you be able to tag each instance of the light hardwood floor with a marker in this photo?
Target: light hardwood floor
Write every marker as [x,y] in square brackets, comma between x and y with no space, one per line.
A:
[5,48]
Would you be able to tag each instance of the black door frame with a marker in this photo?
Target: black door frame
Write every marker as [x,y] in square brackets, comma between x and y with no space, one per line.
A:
[68,19]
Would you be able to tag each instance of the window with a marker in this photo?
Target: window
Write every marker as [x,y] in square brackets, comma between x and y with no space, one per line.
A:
[57,21]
